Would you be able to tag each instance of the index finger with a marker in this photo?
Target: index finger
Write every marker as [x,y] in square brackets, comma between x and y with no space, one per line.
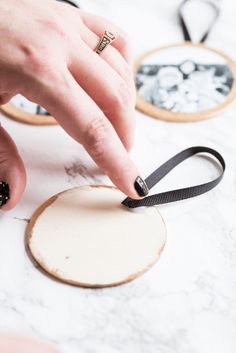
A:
[79,115]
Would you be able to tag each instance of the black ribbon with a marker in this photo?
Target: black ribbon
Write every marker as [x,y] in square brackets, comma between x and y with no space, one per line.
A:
[72,3]
[184,27]
[179,194]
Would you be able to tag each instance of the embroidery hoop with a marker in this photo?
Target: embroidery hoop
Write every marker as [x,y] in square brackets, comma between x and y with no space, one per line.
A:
[22,116]
[172,116]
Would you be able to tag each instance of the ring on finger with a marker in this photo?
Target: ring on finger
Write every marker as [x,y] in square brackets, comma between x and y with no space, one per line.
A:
[106,39]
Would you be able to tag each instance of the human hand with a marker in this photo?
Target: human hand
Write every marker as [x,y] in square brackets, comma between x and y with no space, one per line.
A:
[47,55]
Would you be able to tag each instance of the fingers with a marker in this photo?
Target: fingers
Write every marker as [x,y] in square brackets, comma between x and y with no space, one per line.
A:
[85,122]
[111,92]
[99,25]
[12,170]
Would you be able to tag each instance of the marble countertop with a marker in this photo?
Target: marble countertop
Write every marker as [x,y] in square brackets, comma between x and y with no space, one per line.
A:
[187,302]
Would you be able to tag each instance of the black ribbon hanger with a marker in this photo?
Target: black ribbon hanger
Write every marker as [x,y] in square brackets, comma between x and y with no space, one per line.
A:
[72,3]
[184,27]
[179,194]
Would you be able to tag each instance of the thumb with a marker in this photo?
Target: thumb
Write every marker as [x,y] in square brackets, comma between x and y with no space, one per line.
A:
[12,172]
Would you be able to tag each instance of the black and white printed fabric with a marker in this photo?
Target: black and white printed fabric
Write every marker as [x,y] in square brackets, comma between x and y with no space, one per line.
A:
[189,77]
[184,79]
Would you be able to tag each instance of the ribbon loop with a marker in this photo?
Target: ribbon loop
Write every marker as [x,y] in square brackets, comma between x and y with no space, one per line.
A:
[184,27]
[72,3]
[179,194]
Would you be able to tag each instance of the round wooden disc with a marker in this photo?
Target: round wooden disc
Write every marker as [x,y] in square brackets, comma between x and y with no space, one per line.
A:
[84,236]
[170,99]
[19,114]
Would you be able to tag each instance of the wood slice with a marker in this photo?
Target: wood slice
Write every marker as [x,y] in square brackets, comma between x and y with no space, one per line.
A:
[85,237]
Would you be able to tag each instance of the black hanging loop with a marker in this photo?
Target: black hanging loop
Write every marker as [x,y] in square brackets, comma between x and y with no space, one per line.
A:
[184,27]
[72,3]
[179,194]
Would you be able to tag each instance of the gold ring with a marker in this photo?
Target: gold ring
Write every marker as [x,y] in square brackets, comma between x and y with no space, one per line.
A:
[105,40]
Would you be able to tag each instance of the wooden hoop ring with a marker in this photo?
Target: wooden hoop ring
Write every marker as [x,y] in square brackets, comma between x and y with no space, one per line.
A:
[167,115]
[22,116]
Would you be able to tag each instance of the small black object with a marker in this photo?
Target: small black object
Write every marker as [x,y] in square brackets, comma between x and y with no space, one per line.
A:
[141,187]
[4,193]
[179,194]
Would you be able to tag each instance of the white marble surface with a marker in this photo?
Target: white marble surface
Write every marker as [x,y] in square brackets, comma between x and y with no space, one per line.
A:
[187,302]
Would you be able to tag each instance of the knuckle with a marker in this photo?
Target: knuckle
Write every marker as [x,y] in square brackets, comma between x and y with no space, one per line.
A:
[55,26]
[37,62]
[95,137]
[124,38]
[39,70]
[38,56]
[128,74]
[54,23]
[129,79]
[121,100]
[34,59]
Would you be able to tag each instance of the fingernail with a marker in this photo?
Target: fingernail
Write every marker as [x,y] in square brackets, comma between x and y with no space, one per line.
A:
[141,187]
[4,193]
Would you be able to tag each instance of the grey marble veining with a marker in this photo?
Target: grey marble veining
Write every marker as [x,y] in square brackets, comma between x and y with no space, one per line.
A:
[187,302]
